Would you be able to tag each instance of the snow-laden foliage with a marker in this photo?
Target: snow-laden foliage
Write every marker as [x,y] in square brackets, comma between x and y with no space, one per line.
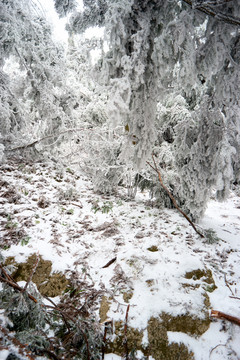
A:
[63,7]
[35,103]
[93,15]
[161,52]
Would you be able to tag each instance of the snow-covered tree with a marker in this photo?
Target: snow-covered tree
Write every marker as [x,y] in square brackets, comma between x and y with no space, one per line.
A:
[64,7]
[35,98]
[173,76]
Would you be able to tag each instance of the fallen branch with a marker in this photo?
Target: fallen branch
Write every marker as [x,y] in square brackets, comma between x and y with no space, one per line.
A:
[9,280]
[155,168]
[109,263]
[220,315]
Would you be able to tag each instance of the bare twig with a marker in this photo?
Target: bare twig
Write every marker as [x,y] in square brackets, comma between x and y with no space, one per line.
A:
[220,315]
[7,276]
[155,168]
[234,297]
[215,347]
[125,334]
[227,284]
[79,205]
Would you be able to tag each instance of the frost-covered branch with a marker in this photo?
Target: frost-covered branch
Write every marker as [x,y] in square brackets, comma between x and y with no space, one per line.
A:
[155,168]
[207,7]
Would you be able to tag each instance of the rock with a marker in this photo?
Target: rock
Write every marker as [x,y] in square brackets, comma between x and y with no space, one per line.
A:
[47,284]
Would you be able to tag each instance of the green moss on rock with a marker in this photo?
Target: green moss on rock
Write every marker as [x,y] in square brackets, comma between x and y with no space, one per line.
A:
[134,339]
[127,295]
[186,323]
[159,347]
[104,307]
[47,284]
[205,276]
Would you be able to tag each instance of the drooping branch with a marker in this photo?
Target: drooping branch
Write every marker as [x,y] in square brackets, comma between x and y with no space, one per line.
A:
[155,168]
[211,11]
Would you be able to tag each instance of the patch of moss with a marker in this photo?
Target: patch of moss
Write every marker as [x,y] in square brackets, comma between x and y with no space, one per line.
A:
[104,307]
[47,284]
[153,248]
[134,339]
[207,301]
[127,295]
[205,276]
[55,285]
[186,323]
[159,347]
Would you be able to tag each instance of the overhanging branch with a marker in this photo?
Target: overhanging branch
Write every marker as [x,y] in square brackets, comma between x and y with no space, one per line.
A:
[211,11]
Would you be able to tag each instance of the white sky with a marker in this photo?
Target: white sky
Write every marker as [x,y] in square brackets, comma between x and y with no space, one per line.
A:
[59,32]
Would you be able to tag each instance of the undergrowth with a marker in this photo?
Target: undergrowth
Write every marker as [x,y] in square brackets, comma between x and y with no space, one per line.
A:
[33,325]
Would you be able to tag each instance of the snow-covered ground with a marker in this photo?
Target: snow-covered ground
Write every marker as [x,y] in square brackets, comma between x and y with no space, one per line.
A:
[151,249]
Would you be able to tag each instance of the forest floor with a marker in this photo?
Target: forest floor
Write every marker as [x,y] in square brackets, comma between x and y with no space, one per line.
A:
[132,253]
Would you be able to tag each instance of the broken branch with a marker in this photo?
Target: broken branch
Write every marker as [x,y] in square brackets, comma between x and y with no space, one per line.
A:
[109,263]
[17,287]
[155,168]
[220,315]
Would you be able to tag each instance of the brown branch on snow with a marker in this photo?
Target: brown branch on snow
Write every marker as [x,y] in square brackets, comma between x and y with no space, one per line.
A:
[155,168]
[125,334]
[109,263]
[106,327]
[209,10]
[220,315]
